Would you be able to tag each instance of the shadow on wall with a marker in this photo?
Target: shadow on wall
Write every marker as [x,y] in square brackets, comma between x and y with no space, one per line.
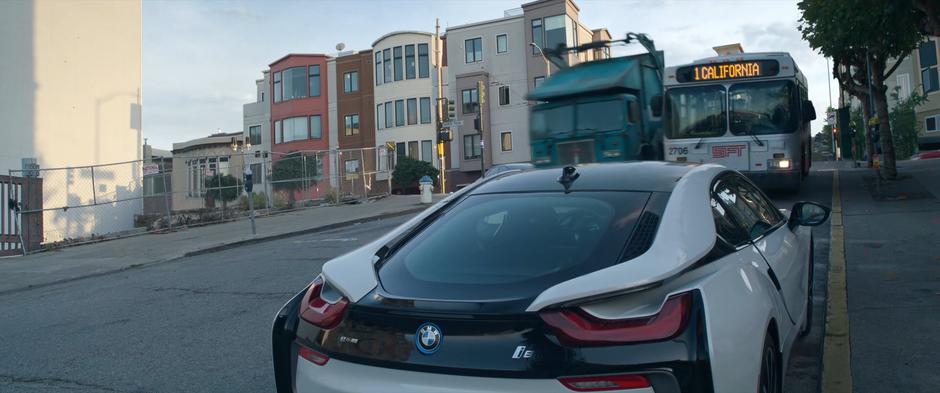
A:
[17,78]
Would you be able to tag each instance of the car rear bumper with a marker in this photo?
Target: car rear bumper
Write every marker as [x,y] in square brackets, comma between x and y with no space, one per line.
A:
[337,376]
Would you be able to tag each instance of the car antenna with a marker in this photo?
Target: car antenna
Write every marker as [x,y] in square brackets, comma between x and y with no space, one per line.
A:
[568,175]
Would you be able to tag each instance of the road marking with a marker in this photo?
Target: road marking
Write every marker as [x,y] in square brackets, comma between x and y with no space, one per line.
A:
[837,355]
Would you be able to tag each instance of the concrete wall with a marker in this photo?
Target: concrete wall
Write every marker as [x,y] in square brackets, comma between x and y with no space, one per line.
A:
[71,77]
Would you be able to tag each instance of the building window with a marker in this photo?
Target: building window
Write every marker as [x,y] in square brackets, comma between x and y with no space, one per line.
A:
[387,61]
[294,129]
[471,147]
[277,132]
[424,66]
[352,125]
[398,65]
[427,151]
[425,110]
[502,43]
[294,84]
[352,166]
[400,150]
[351,81]
[314,81]
[381,158]
[554,32]
[378,68]
[538,81]
[412,111]
[470,101]
[256,175]
[254,135]
[413,150]
[904,83]
[928,66]
[505,140]
[399,113]
[379,115]
[473,50]
[316,127]
[277,86]
[409,62]
[389,115]
[504,95]
[536,35]
[932,123]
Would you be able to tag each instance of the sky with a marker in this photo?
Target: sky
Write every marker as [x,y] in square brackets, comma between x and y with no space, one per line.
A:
[201,58]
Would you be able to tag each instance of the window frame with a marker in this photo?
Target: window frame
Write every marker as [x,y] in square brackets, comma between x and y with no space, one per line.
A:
[473,40]
[319,127]
[378,68]
[424,65]
[929,85]
[936,123]
[379,116]
[400,113]
[502,141]
[411,115]
[752,238]
[537,81]
[389,114]
[475,152]
[411,66]
[501,88]
[351,124]
[424,108]
[398,55]
[277,87]
[506,44]
[387,65]
[474,102]
[537,39]
[351,81]
[311,77]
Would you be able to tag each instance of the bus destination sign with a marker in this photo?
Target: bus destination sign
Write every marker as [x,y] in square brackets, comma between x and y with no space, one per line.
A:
[731,70]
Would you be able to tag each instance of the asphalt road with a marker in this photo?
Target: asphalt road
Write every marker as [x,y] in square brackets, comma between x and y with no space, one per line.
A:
[202,324]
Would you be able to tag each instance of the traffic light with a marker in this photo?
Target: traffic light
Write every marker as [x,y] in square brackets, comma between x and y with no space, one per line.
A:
[444,136]
[451,112]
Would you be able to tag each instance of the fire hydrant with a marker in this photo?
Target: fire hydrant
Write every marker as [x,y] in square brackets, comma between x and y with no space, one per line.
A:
[427,187]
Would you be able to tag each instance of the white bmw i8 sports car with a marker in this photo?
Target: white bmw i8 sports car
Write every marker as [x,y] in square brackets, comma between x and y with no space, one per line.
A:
[635,277]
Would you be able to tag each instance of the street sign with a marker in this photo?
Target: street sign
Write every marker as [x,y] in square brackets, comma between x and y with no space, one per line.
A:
[452,123]
[151,169]
[831,118]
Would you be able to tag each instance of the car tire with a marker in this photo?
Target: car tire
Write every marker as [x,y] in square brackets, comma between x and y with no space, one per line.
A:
[808,321]
[770,379]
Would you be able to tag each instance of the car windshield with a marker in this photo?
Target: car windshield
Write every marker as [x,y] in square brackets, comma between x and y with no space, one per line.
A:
[696,112]
[601,115]
[511,246]
[548,121]
[762,108]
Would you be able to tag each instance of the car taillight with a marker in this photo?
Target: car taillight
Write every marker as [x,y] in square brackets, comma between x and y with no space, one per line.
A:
[575,327]
[605,383]
[318,311]
[313,356]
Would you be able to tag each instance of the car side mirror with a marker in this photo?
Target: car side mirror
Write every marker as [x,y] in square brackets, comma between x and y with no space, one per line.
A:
[808,214]
[809,111]
[656,105]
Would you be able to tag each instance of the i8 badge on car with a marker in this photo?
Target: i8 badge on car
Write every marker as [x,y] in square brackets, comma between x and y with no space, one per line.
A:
[428,339]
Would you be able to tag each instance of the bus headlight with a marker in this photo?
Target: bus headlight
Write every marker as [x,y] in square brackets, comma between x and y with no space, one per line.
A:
[783,163]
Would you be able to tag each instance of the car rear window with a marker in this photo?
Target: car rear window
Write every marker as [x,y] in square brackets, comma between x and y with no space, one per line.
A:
[513,246]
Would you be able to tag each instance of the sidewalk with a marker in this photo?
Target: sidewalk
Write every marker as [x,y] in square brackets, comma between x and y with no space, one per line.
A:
[41,269]
[892,231]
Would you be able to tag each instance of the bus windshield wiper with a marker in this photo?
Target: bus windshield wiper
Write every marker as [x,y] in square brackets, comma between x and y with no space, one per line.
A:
[699,143]
[754,136]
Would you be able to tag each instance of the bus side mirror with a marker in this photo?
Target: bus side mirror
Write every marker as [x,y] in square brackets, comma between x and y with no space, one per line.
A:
[656,105]
[809,111]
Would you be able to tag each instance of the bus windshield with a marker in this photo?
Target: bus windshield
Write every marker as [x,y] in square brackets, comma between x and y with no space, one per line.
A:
[696,112]
[762,108]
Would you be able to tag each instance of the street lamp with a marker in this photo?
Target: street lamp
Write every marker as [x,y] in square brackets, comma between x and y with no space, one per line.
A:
[548,67]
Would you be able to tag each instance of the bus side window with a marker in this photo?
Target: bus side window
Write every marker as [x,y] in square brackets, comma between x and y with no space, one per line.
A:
[633,111]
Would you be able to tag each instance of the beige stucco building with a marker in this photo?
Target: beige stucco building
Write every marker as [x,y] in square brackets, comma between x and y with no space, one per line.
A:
[71,78]
[196,160]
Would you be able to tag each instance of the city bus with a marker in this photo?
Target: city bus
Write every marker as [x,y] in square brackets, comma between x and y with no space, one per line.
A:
[746,111]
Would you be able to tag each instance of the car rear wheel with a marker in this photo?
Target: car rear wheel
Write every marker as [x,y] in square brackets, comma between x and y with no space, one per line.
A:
[770,379]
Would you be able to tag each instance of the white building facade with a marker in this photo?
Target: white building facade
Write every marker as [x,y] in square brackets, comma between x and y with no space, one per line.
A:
[493,52]
[405,94]
[257,133]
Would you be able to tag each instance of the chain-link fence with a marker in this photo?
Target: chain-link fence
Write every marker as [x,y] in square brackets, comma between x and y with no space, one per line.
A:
[82,204]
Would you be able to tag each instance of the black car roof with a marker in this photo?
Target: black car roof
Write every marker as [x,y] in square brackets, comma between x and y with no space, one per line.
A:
[652,176]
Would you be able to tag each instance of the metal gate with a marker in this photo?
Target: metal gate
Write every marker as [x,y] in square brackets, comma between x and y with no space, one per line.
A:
[19,195]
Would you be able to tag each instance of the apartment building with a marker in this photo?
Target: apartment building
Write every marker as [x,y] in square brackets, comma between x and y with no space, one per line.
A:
[505,55]
[256,119]
[926,78]
[405,94]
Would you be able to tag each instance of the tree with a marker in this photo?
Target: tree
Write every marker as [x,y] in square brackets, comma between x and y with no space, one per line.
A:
[861,36]
[409,170]
[929,16]
[222,188]
[904,122]
[822,143]
[295,172]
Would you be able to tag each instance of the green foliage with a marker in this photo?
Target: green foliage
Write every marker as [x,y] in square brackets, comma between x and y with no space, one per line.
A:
[258,198]
[841,29]
[295,171]
[904,122]
[222,188]
[409,170]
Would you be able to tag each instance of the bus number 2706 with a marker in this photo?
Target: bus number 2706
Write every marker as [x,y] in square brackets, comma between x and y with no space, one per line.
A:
[678,150]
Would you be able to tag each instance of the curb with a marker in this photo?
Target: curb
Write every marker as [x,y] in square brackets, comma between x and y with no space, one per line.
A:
[221,247]
[837,353]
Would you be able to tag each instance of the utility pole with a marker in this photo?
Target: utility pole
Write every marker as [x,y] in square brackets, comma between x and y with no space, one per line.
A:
[481,92]
[440,95]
